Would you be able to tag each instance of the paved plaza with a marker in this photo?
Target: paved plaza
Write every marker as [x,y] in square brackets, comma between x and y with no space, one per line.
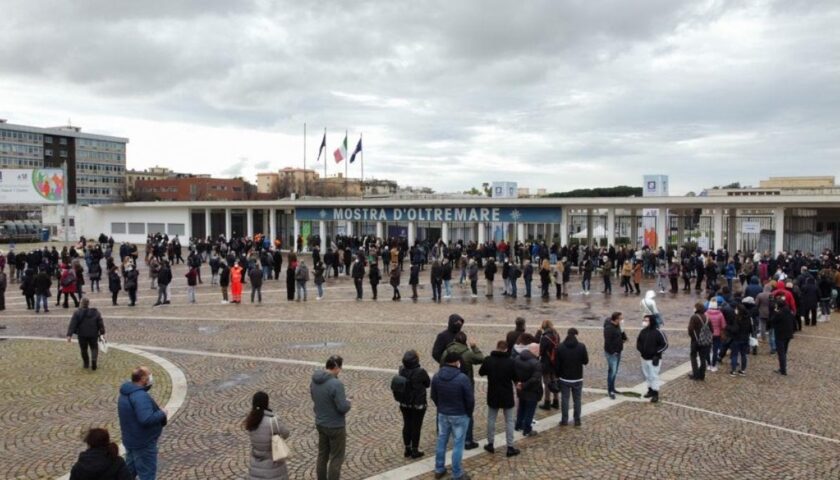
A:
[758,426]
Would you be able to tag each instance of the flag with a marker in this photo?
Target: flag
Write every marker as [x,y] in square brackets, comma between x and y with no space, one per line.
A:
[323,147]
[341,152]
[357,150]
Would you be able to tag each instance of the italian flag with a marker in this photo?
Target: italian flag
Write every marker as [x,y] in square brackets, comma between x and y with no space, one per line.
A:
[341,152]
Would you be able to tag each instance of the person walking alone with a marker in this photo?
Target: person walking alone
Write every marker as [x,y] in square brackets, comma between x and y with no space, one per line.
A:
[86,323]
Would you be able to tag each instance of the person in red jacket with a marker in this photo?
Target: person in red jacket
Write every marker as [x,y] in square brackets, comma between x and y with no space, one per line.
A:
[67,286]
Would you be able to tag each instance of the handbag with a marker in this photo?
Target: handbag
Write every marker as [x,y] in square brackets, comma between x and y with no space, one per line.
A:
[103,345]
[279,449]
[753,341]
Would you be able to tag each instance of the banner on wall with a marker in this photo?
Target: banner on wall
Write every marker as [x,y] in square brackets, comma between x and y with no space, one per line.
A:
[41,186]
[306,231]
[448,214]
[750,227]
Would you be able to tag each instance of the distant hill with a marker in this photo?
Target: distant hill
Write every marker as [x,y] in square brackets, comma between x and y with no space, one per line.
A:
[619,191]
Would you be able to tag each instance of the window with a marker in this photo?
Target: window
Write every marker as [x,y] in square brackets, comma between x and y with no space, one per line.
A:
[48,152]
[117,228]
[137,228]
[175,229]
[156,228]
[47,139]
[63,154]
[62,141]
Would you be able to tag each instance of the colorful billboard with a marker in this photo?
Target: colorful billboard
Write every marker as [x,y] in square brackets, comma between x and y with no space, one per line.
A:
[38,186]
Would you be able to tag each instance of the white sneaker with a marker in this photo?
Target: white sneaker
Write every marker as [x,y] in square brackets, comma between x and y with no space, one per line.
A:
[473,296]
[317,298]
[224,302]
[713,369]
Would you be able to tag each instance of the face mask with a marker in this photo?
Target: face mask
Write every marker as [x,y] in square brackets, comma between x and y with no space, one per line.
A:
[150,383]
[645,324]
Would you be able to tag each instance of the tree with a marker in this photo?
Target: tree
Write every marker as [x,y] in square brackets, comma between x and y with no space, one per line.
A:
[486,187]
[473,191]
[618,191]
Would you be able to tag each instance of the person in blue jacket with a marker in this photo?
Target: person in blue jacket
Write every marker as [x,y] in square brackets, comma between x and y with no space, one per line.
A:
[141,423]
[453,395]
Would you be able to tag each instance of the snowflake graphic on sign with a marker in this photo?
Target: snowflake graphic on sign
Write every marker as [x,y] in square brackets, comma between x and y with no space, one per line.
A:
[323,213]
[515,215]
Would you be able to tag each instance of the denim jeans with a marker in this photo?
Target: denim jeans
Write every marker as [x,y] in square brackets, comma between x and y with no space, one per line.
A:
[513,287]
[191,294]
[613,360]
[447,288]
[142,462]
[527,288]
[575,388]
[320,288]
[301,290]
[256,291]
[771,339]
[739,348]
[525,415]
[586,283]
[456,425]
[716,344]
[40,300]
[266,272]
[510,423]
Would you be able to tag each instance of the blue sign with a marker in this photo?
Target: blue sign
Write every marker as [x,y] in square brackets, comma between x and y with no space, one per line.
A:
[433,214]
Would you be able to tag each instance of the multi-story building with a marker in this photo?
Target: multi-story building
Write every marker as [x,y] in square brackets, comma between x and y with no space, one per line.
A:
[153,173]
[194,188]
[95,163]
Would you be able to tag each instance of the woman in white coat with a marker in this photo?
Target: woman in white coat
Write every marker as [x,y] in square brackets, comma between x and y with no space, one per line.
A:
[261,424]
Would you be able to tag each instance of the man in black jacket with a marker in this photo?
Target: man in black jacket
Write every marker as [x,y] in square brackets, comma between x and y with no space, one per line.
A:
[651,343]
[87,324]
[783,324]
[614,338]
[447,336]
[571,357]
[490,275]
[500,373]
[163,280]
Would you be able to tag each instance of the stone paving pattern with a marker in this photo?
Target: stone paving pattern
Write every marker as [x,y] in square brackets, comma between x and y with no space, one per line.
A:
[631,440]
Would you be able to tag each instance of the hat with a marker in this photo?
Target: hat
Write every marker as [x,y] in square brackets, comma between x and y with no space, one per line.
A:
[748,300]
[452,357]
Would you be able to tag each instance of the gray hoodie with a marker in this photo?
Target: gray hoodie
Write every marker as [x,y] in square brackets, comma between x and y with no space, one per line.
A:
[330,401]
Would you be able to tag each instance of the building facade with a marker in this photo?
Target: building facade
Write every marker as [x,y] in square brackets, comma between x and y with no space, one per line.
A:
[95,163]
[191,189]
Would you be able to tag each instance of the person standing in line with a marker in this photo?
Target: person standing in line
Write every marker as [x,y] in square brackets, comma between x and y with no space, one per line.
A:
[528,277]
[101,460]
[783,323]
[255,276]
[453,395]
[436,277]
[739,333]
[374,277]
[27,287]
[614,338]
[413,401]
[446,277]
[545,278]
[261,424]
[571,358]
[114,284]
[395,281]
[236,283]
[446,337]
[302,278]
[606,273]
[529,386]
[192,281]
[290,277]
[501,376]
[42,290]
[164,277]
[358,273]
[513,335]
[648,307]
[472,274]
[701,337]
[490,270]
[470,356]
[331,406]
[130,283]
[141,424]
[95,275]
[718,324]
[3,283]
[549,341]
[67,286]
[651,343]
[318,272]
[86,323]
[224,280]
[637,276]
[414,279]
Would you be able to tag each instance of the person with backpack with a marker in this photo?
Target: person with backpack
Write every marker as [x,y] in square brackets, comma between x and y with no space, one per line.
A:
[409,388]
[549,340]
[701,337]
[501,377]
[614,338]
[318,272]
[529,383]
[67,286]
[88,326]
[571,358]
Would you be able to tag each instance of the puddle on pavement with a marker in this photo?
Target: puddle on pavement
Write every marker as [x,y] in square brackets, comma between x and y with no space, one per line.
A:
[234,381]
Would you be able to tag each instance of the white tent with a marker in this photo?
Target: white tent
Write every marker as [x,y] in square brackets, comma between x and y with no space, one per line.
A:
[598,232]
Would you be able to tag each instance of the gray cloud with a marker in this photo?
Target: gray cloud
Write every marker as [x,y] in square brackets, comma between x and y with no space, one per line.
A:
[456,93]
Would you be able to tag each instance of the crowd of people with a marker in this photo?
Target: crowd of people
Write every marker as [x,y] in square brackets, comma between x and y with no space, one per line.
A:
[749,299]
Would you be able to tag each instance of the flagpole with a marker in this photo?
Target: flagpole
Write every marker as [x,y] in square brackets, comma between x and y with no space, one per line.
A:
[325,154]
[304,159]
[346,185]
[363,165]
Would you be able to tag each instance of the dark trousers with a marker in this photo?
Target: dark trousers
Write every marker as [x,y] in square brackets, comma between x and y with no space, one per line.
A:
[575,388]
[699,371]
[674,284]
[132,295]
[525,415]
[810,316]
[412,425]
[358,283]
[396,293]
[373,289]
[474,287]
[436,290]
[559,289]
[91,343]
[66,298]
[781,352]
[331,445]
[607,284]
[114,297]
[30,302]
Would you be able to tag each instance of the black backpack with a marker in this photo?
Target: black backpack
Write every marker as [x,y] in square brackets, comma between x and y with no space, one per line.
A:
[400,387]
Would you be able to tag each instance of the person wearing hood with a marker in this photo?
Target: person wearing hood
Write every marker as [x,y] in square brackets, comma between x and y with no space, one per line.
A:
[783,322]
[413,403]
[101,461]
[753,289]
[699,333]
[739,333]
[262,424]
[141,424]
[614,338]
[447,336]
[331,405]
[571,358]
[87,325]
[454,397]
[763,304]
[809,299]
[718,324]
[470,356]
[651,344]
[530,389]
[489,275]
[501,376]
[648,307]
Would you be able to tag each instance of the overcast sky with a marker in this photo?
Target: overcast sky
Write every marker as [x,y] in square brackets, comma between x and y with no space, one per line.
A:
[448,94]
